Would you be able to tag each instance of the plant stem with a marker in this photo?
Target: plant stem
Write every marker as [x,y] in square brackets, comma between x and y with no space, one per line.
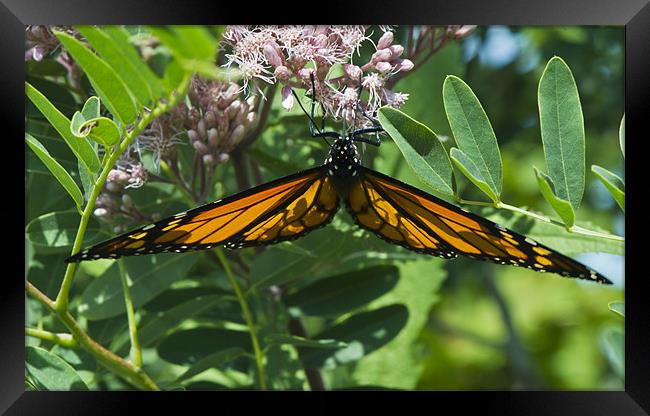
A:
[112,362]
[61,303]
[247,316]
[136,350]
[65,340]
[574,229]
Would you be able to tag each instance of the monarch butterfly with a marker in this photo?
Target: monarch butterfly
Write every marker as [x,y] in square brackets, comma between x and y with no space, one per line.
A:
[290,207]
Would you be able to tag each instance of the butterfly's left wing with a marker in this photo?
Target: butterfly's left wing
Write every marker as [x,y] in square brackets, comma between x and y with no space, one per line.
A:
[405,215]
[280,210]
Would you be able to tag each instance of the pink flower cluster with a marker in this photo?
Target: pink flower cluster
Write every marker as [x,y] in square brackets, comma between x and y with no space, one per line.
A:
[289,55]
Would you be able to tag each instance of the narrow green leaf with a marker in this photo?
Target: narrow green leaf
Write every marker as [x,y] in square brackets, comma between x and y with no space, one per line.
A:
[473,132]
[57,170]
[621,135]
[472,172]
[47,371]
[421,148]
[151,275]
[55,232]
[282,339]
[561,206]
[617,307]
[563,133]
[82,149]
[613,345]
[115,55]
[173,76]
[121,36]
[110,88]
[342,293]
[86,180]
[214,360]
[613,183]
[363,332]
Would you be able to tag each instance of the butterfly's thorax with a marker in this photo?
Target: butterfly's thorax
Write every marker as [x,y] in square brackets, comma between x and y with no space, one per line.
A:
[342,164]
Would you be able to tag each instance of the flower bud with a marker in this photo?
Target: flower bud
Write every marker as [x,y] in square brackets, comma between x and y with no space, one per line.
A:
[271,54]
[405,65]
[396,51]
[100,212]
[287,98]
[305,74]
[237,135]
[381,55]
[282,73]
[250,117]
[352,71]
[233,109]
[193,135]
[320,41]
[224,157]
[385,40]
[213,137]
[210,119]
[383,67]
[200,128]
[200,147]
[208,159]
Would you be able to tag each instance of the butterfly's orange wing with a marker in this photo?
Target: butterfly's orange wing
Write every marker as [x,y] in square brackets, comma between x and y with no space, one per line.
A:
[402,214]
[277,211]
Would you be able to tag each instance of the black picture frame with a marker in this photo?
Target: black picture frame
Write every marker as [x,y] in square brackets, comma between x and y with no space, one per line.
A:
[633,14]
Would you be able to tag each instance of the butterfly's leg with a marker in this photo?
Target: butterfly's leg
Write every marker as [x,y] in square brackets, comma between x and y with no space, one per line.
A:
[357,135]
[313,130]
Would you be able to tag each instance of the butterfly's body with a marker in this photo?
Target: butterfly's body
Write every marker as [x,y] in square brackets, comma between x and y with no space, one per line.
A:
[290,207]
[342,164]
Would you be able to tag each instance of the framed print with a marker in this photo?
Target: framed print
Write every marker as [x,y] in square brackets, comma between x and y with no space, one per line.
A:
[434,202]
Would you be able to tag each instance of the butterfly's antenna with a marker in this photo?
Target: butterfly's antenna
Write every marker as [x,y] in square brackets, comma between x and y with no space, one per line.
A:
[312,123]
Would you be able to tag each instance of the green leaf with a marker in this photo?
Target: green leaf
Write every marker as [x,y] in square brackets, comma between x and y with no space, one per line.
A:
[163,322]
[364,332]
[120,37]
[110,88]
[57,170]
[214,360]
[150,275]
[46,273]
[114,56]
[561,206]
[86,181]
[188,347]
[473,132]
[47,371]
[621,135]
[55,232]
[613,183]
[421,148]
[345,292]
[82,149]
[418,290]
[282,339]
[613,345]
[89,123]
[192,46]
[617,307]
[563,133]
[471,171]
